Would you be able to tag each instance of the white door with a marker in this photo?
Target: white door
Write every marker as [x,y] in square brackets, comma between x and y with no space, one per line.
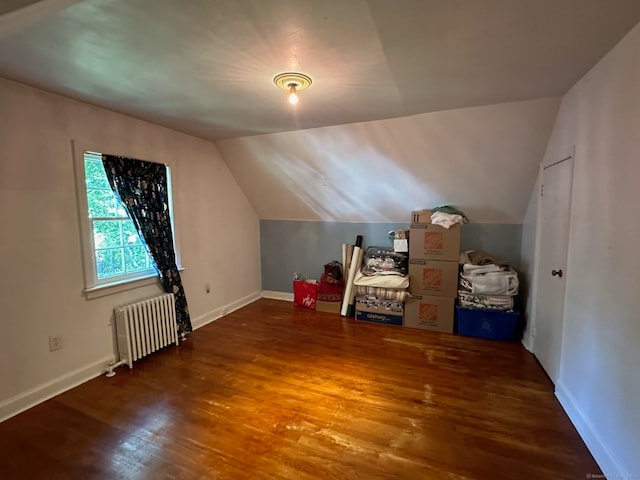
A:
[555,210]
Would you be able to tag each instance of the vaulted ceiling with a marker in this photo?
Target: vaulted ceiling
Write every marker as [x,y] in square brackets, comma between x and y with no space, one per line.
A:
[420,102]
[205,67]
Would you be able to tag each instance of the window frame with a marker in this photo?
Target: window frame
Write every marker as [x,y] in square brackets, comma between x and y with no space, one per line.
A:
[94,287]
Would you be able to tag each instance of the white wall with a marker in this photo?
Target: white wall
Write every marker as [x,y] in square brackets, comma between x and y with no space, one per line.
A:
[40,258]
[527,261]
[483,160]
[599,380]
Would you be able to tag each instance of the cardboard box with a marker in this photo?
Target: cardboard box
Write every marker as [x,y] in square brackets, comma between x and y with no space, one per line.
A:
[433,242]
[433,277]
[329,307]
[377,310]
[429,313]
[421,216]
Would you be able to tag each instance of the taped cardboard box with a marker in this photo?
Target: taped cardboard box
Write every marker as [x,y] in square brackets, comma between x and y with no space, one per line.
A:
[421,216]
[429,313]
[328,307]
[433,277]
[433,242]
[374,309]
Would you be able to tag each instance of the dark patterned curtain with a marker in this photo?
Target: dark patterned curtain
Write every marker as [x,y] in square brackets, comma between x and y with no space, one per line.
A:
[142,187]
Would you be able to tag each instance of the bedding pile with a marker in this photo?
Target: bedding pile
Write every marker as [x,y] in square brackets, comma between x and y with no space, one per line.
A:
[486,282]
[383,275]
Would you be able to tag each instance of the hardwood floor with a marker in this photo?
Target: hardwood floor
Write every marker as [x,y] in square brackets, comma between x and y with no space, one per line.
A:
[274,391]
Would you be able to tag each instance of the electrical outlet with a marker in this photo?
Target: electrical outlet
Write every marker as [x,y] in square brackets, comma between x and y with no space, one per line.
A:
[55,343]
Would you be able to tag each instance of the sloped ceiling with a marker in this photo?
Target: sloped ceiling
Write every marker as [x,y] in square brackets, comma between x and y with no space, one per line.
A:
[10,5]
[483,160]
[205,67]
[447,101]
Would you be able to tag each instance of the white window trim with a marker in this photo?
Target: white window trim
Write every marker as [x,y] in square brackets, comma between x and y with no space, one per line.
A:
[91,288]
[121,286]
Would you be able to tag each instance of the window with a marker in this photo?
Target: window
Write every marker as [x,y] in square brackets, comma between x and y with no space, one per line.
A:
[119,253]
[115,257]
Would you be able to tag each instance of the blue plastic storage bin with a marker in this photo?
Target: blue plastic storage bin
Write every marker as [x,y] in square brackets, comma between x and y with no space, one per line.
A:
[491,324]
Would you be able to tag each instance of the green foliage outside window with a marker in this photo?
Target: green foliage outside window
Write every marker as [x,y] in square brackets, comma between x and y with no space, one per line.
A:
[118,248]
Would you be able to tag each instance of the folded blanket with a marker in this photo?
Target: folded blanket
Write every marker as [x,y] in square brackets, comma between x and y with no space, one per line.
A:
[384,281]
[490,302]
[451,210]
[477,269]
[479,257]
[395,294]
[446,220]
[491,283]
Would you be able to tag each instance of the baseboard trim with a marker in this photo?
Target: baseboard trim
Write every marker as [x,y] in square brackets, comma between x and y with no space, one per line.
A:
[527,343]
[24,401]
[220,312]
[273,295]
[602,454]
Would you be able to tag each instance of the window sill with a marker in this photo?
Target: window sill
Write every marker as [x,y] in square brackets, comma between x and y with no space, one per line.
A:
[113,288]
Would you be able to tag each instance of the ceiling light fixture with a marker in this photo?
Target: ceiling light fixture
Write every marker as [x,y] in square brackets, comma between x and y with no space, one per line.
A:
[293,83]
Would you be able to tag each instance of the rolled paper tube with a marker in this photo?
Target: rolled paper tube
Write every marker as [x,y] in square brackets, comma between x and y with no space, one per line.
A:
[344,261]
[353,267]
[352,298]
[348,263]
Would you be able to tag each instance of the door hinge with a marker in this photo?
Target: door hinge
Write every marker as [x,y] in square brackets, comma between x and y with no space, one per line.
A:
[542,190]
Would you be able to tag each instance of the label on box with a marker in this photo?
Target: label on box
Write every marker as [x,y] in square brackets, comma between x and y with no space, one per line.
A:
[401,245]
[421,216]
[433,241]
[428,312]
[431,277]
[385,318]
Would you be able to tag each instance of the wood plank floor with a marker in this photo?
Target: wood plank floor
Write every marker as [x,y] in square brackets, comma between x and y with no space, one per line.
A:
[273,391]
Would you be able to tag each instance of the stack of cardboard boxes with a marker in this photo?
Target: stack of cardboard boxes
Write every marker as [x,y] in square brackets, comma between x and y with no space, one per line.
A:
[434,253]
